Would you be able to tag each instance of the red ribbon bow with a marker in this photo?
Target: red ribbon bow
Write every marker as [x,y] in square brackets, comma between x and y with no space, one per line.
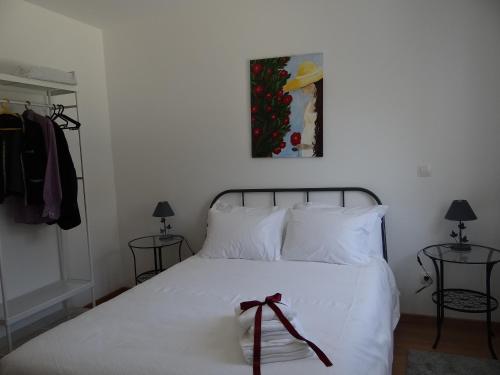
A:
[271,302]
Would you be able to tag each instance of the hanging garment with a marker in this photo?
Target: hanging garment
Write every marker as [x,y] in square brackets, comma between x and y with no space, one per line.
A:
[34,160]
[52,192]
[41,168]
[11,143]
[70,214]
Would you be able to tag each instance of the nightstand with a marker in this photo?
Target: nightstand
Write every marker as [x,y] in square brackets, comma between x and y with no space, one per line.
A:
[463,300]
[156,243]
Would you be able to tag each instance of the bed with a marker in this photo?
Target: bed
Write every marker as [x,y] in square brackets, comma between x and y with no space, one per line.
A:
[182,321]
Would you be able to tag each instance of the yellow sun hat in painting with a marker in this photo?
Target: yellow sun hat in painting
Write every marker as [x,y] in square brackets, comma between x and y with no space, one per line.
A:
[307,73]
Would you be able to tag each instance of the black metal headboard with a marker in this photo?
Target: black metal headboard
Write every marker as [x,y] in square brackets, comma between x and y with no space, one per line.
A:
[307,191]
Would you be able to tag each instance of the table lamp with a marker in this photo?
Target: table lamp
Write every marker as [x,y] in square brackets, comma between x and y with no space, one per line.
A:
[163,210]
[460,211]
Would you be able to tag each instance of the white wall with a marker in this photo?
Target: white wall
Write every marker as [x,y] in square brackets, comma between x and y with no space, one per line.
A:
[36,36]
[406,82]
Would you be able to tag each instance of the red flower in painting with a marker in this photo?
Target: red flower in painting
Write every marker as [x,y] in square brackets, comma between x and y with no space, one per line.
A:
[286,120]
[269,109]
[257,68]
[275,134]
[257,132]
[287,99]
[283,74]
[274,117]
[255,109]
[295,139]
[277,150]
[283,144]
[269,96]
[258,90]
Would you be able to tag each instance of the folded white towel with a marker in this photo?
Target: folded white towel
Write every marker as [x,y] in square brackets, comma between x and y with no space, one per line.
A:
[246,341]
[275,330]
[276,326]
[273,336]
[272,325]
[276,350]
[246,318]
[289,356]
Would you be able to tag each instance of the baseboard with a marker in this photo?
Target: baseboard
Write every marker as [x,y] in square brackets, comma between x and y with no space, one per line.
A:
[420,319]
[108,296]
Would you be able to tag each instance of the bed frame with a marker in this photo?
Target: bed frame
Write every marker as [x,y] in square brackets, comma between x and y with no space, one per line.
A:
[307,191]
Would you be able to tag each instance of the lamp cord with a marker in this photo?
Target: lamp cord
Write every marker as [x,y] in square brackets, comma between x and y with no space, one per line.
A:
[427,276]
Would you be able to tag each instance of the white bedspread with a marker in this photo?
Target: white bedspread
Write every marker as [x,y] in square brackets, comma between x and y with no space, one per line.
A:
[182,322]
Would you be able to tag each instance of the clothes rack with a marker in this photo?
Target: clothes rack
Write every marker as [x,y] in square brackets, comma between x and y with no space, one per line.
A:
[29,103]
[15,309]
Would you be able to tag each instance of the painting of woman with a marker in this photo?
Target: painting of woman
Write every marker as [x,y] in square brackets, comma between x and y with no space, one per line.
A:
[286,106]
[309,79]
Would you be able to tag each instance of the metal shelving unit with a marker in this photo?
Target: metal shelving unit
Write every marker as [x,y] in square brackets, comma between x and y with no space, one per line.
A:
[15,309]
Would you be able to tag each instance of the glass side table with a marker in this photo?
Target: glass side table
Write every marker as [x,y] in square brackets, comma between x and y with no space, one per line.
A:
[463,300]
[157,244]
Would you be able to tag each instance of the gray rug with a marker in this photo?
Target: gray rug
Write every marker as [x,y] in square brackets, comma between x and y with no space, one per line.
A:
[435,363]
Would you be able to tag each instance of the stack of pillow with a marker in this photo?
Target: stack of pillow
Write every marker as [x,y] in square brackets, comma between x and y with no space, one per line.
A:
[312,232]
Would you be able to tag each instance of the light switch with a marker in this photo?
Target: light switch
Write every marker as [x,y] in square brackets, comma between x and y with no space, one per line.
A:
[424,170]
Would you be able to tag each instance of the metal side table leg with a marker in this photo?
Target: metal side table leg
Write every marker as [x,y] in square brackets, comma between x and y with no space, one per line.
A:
[156,260]
[439,303]
[135,264]
[489,268]
[180,249]
[160,257]
[441,282]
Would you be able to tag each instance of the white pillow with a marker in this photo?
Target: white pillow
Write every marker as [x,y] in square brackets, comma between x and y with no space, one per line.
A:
[375,237]
[330,236]
[244,233]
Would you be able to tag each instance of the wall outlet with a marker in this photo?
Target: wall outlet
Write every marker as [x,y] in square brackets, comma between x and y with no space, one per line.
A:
[424,170]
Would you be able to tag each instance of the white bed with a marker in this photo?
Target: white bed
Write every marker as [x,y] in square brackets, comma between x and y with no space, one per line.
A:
[182,322]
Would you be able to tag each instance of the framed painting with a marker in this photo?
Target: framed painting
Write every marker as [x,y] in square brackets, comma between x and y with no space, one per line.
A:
[286,106]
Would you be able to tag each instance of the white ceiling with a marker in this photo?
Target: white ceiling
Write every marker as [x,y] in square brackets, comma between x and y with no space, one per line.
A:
[99,13]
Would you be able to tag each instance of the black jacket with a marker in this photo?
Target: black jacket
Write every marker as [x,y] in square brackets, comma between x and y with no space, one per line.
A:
[70,214]
[11,144]
[34,157]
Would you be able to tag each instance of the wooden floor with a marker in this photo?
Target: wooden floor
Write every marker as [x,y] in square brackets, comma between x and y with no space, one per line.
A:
[463,337]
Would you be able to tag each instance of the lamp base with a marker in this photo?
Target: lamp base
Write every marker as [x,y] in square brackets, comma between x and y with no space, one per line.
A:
[460,247]
[166,237]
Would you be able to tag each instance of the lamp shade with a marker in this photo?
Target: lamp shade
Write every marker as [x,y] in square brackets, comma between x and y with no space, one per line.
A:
[460,210]
[163,209]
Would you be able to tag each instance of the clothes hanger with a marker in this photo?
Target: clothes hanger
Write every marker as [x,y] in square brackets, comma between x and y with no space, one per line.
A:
[5,107]
[5,110]
[58,113]
[68,119]
[54,112]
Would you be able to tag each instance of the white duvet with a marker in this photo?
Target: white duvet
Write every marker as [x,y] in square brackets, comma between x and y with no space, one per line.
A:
[182,322]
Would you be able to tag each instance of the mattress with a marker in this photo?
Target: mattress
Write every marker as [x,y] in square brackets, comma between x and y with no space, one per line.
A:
[182,322]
